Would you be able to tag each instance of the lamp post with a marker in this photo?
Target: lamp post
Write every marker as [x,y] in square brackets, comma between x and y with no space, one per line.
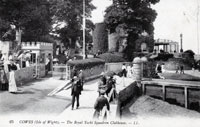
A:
[83,29]
[181,37]
[198,28]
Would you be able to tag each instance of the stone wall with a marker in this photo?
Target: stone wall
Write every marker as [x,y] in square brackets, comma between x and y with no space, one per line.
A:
[128,95]
[24,74]
[94,71]
[28,74]
[115,67]
[59,72]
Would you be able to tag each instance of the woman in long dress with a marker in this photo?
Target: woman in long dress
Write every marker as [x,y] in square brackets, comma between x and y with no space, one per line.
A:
[12,82]
[129,71]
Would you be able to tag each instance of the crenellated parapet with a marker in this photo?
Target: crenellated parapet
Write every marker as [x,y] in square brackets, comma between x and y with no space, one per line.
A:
[37,46]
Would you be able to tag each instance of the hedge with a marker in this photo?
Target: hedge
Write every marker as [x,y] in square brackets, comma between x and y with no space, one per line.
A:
[86,63]
[164,57]
[111,58]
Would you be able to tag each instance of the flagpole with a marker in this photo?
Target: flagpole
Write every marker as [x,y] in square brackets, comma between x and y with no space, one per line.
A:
[84,29]
[198,28]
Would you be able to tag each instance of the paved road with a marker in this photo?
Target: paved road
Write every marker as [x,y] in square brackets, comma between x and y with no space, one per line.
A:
[87,100]
[33,99]
[34,102]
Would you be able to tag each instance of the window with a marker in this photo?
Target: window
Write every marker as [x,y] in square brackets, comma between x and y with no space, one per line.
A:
[33,58]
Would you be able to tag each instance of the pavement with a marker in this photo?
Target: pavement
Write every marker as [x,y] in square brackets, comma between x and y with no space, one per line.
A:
[32,99]
[88,98]
[34,102]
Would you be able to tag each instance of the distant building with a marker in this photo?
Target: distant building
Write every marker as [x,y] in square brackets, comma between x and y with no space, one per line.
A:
[38,50]
[166,46]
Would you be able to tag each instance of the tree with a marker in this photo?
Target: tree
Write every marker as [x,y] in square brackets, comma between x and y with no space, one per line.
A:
[70,13]
[136,17]
[31,16]
[190,54]
[6,33]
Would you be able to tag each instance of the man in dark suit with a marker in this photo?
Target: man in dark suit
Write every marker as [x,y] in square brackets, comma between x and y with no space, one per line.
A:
[76,91]
[81,78]
[110,84]
[100,103]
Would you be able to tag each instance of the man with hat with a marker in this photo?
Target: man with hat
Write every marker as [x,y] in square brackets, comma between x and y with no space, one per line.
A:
[100,103]
[110,84]
[81,78]
[102,84]
[76,91]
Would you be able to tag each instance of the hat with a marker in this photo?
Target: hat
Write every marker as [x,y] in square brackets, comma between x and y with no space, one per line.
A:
[102,91]
[102,74]
[75,77]
[55,60]
[10,58]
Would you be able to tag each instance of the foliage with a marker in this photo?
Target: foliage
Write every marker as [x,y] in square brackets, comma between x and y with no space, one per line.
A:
[164,56]
[86,63]
[33,17]
[111,58]
[189,54]
[136,16]
[70,12]
[144,39]
[5,33]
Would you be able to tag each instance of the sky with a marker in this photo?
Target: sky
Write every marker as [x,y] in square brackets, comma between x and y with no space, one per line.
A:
[174,17]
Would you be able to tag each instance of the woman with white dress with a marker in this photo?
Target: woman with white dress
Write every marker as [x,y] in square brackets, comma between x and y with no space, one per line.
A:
[129,71]
[12,83]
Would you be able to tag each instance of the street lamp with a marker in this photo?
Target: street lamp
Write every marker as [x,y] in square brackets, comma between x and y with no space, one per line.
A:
[83,29]
[181,37]
[198,28]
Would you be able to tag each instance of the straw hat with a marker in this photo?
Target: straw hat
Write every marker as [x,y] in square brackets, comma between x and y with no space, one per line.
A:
[55,60]
[102,91]
[10,58]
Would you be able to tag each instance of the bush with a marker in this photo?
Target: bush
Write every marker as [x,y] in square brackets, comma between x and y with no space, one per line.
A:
[86,63]
[111,57]
[188,54]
